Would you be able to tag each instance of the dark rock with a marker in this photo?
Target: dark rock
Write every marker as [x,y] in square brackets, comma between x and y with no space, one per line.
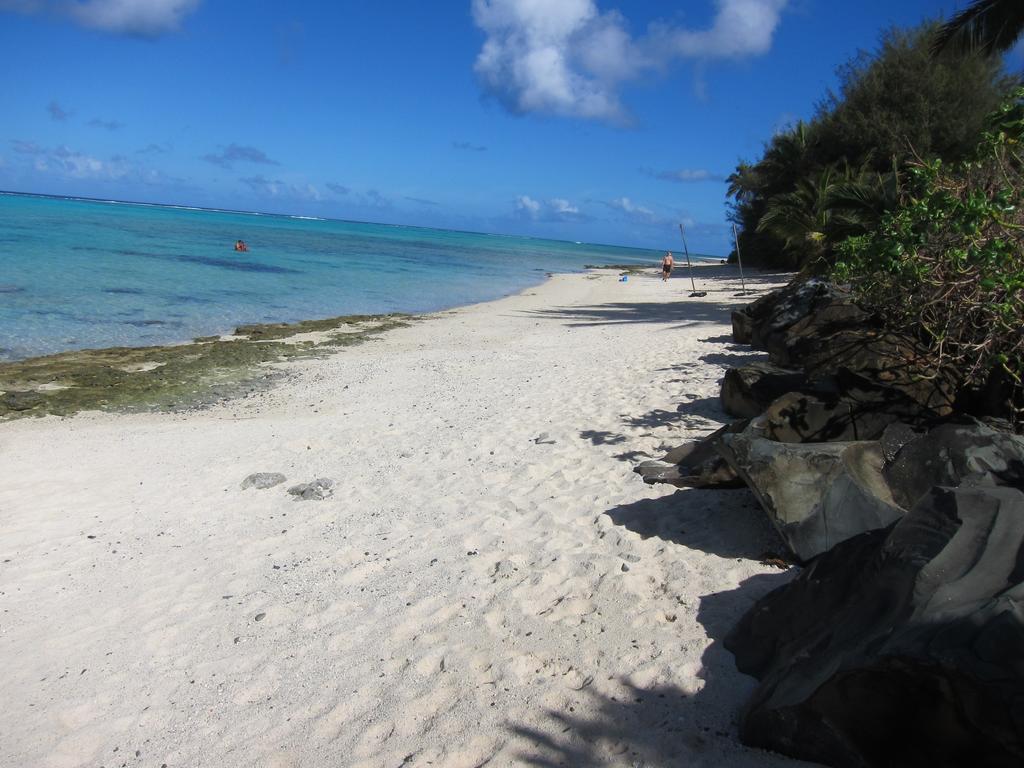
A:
[899,647]
[815,494]
[958,452]
[818,328]
[895,436]
[767,319]
[747,391]
[999,396]
[830,314]
[742,327]
[696,464]
[887,358]
[262,480]
[318,490]
[846,406]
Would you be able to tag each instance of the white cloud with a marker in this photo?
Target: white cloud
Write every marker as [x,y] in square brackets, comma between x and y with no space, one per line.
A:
[370,199]
[686,175]
[526,205]
[81,166]
[566,57]
[634,211]
[740,28]
[65,162]
[627,205]
[563,207]
[555,209]
[137,18]
[275,188]
[142,18]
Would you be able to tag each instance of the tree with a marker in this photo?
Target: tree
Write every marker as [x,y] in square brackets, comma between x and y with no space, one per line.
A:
[903,103]
[986,26]
[892,107]
[838,203]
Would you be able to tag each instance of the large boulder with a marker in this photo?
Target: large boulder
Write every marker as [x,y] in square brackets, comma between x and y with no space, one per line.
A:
[742,326]
[831,313]
[748,390]
[899,647]
[957,452]
[814,326]
[891,359]
[761,320]
[845,406]
[815,494]
[695,464]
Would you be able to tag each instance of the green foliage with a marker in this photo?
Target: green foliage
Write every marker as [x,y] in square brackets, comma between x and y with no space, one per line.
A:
[948,262]
[903,103]
[985,25]
[833,177]
[826,208]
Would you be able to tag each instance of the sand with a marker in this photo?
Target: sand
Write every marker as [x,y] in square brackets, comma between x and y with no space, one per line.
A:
[487,584]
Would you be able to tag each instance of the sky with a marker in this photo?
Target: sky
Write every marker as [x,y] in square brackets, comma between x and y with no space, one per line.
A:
[605,122]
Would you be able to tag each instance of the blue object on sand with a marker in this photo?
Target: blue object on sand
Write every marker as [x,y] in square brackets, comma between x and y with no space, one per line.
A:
[624,278]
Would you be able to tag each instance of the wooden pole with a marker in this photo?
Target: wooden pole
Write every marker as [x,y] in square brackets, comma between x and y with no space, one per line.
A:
[736,239]
[693,285]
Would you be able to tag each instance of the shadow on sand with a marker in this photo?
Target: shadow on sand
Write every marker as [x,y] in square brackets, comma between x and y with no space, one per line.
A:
[677,308]
[726,523]
[666,725]
[660,726]
[602,437]
[682,314]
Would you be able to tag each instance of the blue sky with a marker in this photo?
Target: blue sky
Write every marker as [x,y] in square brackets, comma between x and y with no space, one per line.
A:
[574,119]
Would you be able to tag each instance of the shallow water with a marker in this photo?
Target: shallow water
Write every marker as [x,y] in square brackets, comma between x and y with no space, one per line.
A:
[77,274]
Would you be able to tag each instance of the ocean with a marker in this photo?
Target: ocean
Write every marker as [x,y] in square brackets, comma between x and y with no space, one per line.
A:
[80,274]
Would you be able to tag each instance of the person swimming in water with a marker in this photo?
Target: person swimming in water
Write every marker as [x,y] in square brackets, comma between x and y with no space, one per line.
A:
[241,246]
[666,266]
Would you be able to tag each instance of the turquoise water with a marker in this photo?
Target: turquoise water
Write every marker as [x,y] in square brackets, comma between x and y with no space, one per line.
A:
[77,274]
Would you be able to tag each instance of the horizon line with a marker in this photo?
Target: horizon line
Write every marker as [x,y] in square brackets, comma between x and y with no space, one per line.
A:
[182,206]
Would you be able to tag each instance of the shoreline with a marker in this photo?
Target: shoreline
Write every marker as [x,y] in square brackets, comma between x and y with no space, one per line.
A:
[197,372]
[485,581]
[190,374]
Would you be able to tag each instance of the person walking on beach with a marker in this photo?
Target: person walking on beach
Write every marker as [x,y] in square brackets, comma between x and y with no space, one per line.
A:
[666,266]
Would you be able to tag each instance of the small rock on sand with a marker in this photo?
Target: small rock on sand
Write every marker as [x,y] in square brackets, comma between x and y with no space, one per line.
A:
[262,480]
[317,490]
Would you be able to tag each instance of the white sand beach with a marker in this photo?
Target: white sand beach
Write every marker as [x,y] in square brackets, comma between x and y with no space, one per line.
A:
[488,584]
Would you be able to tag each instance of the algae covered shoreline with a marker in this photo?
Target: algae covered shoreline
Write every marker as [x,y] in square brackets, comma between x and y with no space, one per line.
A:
[176,376]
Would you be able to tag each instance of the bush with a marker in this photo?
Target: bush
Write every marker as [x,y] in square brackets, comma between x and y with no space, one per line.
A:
[894,106]
[948,262]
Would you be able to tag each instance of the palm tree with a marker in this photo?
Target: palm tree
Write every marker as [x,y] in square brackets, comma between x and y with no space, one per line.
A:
[744,183]
[786,158]
[822,210]
[986,26]
[785,161]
